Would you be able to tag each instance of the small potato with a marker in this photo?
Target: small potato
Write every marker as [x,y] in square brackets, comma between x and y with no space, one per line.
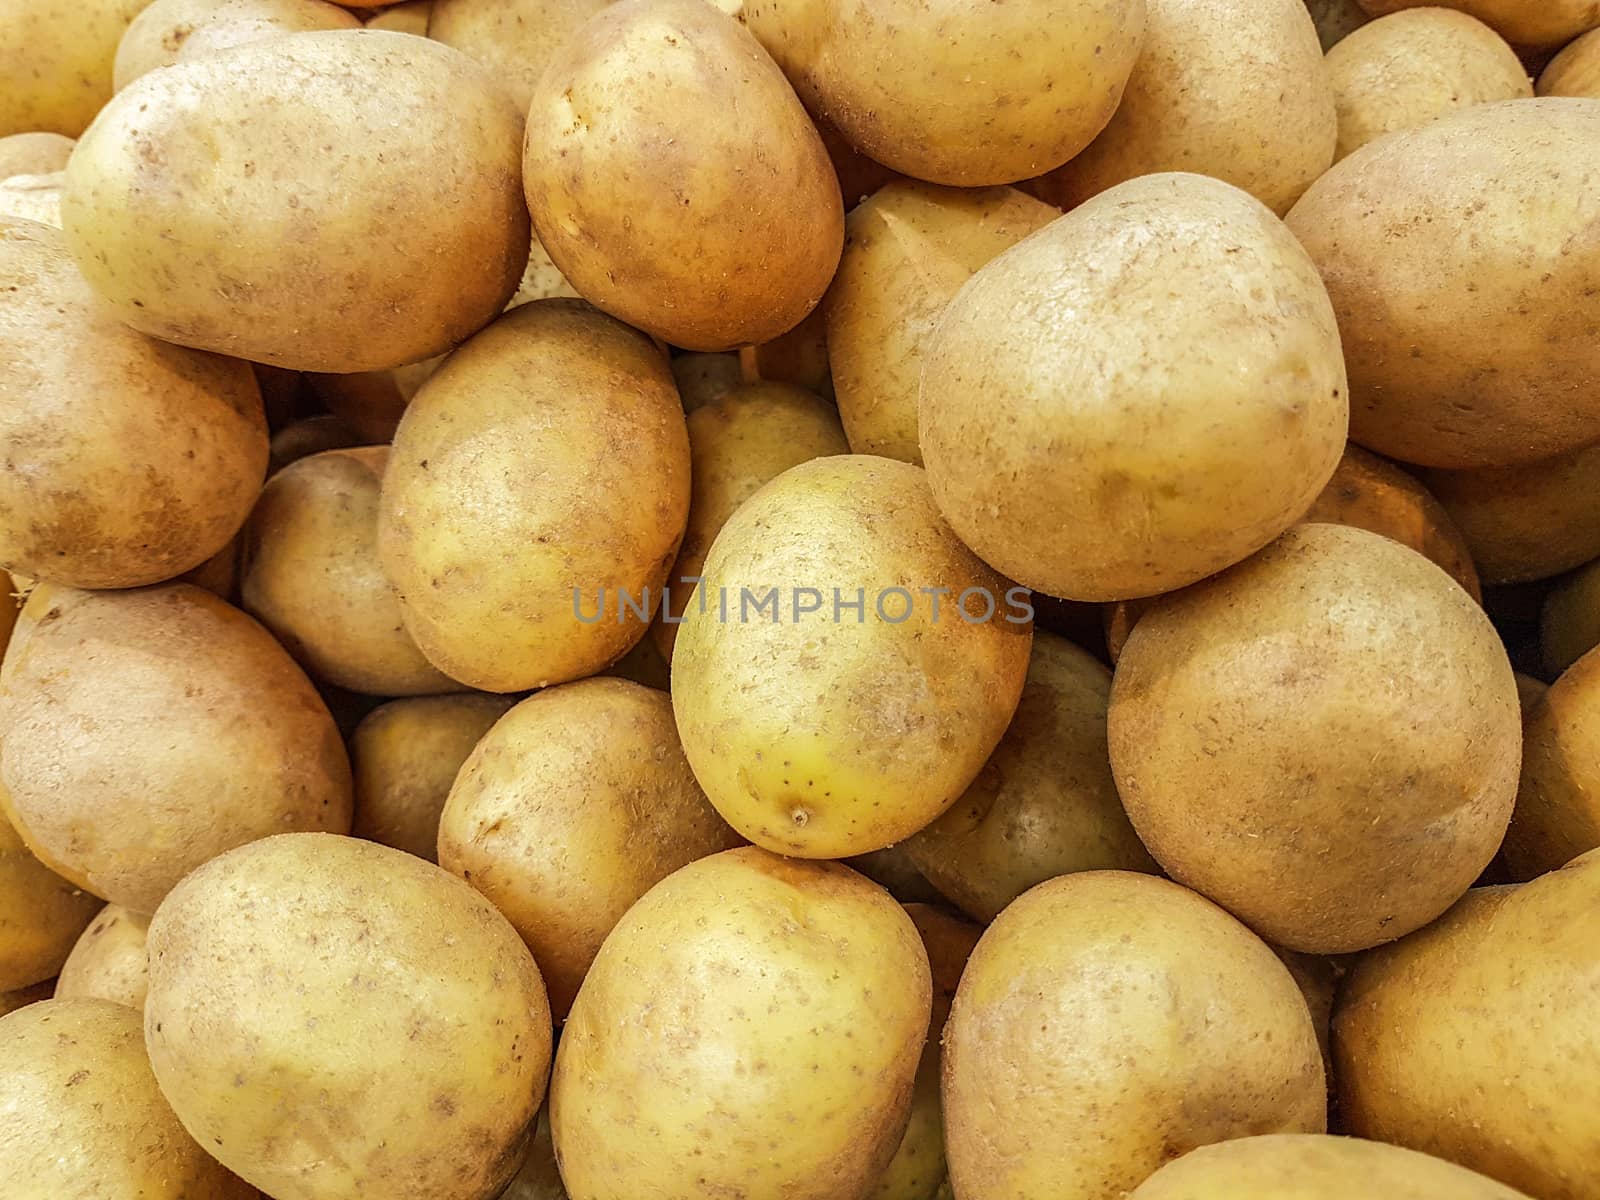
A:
[644,665]
[1543,23]
[1570,624]
[410,1051]
[84,1117]
[408,16]
[41,914]
[313,435]
[1107,1023]
[1336,19]
[908,249]
[109,961]
[514,39]
[405,755]
[33,153]
[705,378]
[1575,71]
[33,198]
[1558,801]
[240,22]
[309,572]
[55,61]
[675,179]
[156,36]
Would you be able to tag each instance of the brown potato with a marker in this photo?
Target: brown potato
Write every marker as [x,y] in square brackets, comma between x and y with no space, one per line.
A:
[1545,23]
[1318,981]
[108,962]
[55,61]
[368,402]
[1558,801]
[892,869]
[41,915]
[799,356]
[1575,71]
[539,1178]
[156,36]
[240,22]
[1569,626]
[33,153]
[514,39]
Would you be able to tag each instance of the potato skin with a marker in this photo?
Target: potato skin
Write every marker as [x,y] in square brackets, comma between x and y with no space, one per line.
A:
[22,997]
[1109,1021]
[240,22]
[33,153]
[1557,816]
[1334,715]
[376,947]
[1196,430]
[647,188]
[108,961]
[97,787]
[181,160]
[41,915]
[408,16]
[1569,624]
[156,36]
[515,40]
[557,383]
[1548,23]
[55,61]
[1426,240]
[762,1019]
[1575,71]
[1336,20]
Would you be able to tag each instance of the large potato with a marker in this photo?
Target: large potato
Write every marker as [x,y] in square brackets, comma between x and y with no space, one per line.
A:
[511,577]
[55,61]
[1096,445]
[969,93]
[1575,71]
[246,202]
[907,251]
[131,461]
[514,39]
[156,36]
[41,915]
[108,961]
[33,153]
[1108,1022]
[1474,1039]
[751,1027]
[240,22]
[1532,23]
[142,733]
[1558,801]
[819,729]
[406,1051]
[1324,740]
[1569,625]
[1427,240]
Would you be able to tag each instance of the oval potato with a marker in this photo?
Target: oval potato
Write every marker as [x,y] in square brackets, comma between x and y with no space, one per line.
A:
[33,153]
[1569,624]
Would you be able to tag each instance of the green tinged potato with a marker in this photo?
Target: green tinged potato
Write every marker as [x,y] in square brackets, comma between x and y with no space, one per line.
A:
[1542,24]
[514,39]
[55,61]
[109,962]
[1558,800]
[41,915]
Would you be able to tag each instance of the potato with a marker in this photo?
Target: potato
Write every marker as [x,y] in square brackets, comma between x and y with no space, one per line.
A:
[754,433]
[539,1178]
[309,572]
[644,665]
[55,61]
[1094,445]
[1529,692]
[1318,981]
[366,125]
[409,16]
[908,249]
[226,742]
[157,35]
[32,198]
[1447,1041]
[108,961]
[968,94]
[799,356]
[405,755]
[1109,1021]
[1575,71]
[820,730]
[41,915]
[1343,781]
[33,153]
[759,1021]
[675,179]
[705,378]
[313,435]
[1547,23]
[84,1117]
[22,997]
[368,402]
[240,22]
[514,39]
[1044,804]
[1558,800]
[377,949]
[132,461]
[1336,19]
[511,578]
[1570,624]
[1309,1166]
[1234,89]
[1426,240]
[892,869]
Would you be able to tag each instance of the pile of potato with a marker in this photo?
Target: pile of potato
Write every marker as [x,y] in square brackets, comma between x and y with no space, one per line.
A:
[800,600]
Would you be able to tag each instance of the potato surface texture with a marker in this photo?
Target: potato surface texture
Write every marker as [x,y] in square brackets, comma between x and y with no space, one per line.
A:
[1547,23]
[1558,799]
[108,962]
[55,61]
[41,915]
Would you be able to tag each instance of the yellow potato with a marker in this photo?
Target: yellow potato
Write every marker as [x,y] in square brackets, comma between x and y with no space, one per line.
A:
[644,665]
[108,962]
[1575,71]
[1542,23]
[1558,801]
[908,249]
[514,39]
[33,198]
[157,35]
[498,566]
[799,356]
[822,730]
[705,378]
[41,915]
[751,1027]
[675,179]
[1570,624]
[55,61]
[1094,444]
[240,22]
[409,1046]
[1336,19]
[1318,981]
[313,435]
[133,461]
[33,153]
[408,16]
[260,186]
[1108,1022]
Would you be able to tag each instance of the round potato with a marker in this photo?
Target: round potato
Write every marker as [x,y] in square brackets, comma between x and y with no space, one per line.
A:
[108,962]
[1094,445]
[408,16]
[511,578]
[1558,801]
[907,251]
[240,22]
[131,461]
[745,1001]
[227,741]
[1108,1022]
[1336,19]
[55,61]
[975,94]
[847,666]
[1575,71]
[1344,782]
[33,198]
[705,378]
[375,124]
[378,949]
[1426,240]
[33,153]
[1570,624]
[156,36]
[1543,24]
[41,915]
[514,39]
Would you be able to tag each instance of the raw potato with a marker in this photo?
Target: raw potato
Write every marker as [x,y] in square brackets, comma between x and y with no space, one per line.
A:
[643,665]
[134,461]
[761,1019]
[240,22]
[557,384]
[102,789]
[55,61]
[1558,802]
[1570,624]
[514,39]
[1427,239]
[539,1178]
[892,869]
[410,16]
[1234,89]
[1540,24]
[1529,692]
[541,279]
[1309,1166]
[799,356]
[1334,716]
[108,961]
[1318,981]
[705,378]
[33,153]
[41,915]
[310,574]
[1336,19]
[967,94]
[310,144]
[1448,1040]
[22,997]
[1575,71]
[1108,1022]
[1045,803]
[156,36]
[370,403]
[908,249]
[675,179]
[379,950]
[33,198]
[1095,445]
[405,756]
[84,1117]
[314,435]
[818,734]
